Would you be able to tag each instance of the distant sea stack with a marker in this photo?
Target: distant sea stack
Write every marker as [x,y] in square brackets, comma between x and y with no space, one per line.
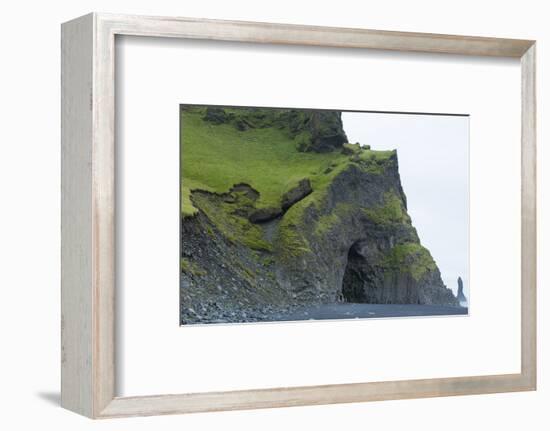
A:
[460,295]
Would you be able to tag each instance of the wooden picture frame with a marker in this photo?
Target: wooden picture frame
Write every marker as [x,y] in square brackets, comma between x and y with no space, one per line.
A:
[88,214]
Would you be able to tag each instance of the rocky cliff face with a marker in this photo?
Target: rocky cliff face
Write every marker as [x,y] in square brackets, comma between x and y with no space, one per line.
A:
[341,233]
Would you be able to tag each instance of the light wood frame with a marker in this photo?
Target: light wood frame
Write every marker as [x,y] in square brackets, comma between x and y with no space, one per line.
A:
[88,214]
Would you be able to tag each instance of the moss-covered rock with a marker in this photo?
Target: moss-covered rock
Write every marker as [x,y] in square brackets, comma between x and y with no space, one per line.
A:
[392,211]
[296,193]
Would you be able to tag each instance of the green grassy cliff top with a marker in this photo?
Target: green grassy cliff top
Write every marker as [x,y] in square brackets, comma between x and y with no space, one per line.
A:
[269,149]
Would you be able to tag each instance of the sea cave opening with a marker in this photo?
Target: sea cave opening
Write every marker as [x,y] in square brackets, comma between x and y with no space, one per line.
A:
[355,280]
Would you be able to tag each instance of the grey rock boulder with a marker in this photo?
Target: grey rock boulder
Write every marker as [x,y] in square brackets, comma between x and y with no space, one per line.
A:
[215,115]
[296,194]
[262,215]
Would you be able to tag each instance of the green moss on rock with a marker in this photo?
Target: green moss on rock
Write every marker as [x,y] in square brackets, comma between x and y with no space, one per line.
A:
[246,271]
[232,224]
[191,268]
[392,211]
[330,221]
[351,149]
[187,207]
[409,257]
[291,241]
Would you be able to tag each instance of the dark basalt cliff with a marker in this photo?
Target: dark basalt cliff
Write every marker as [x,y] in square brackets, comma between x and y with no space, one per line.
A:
[340,234]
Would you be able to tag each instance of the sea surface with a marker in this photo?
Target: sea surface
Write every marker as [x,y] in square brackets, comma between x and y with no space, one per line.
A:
[364,311]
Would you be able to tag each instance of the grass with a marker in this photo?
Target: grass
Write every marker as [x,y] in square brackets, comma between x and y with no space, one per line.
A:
[247,272]
[409,257]
[327,222]
[233,227]
[291,242]
[392,211]
[373,162]
[191,268]
[215,157]
[187,207]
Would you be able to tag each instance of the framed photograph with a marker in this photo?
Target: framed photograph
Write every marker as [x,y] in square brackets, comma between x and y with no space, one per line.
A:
[265,215]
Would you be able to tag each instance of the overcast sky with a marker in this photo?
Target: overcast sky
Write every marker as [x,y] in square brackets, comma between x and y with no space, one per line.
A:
[432,151]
